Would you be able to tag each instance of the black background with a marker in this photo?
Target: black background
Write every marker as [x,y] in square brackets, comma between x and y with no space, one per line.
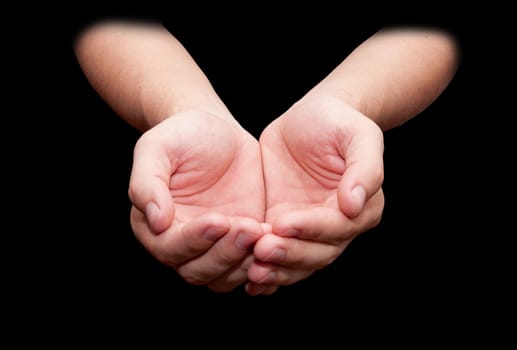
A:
[76,256]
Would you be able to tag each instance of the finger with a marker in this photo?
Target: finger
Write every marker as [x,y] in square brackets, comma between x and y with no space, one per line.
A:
[266,227]
[266,274]
[149,184]
[321,224]
[328,225]
[364,172]
[181,242]
[260,289]
[314,238]
[292,252]
[226,253]
[237,276]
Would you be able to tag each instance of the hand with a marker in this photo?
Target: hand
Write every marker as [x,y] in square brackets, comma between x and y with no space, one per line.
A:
[198,197]
[323,169]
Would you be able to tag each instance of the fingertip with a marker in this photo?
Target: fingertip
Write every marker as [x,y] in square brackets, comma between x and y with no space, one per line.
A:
[213,233]
[289,224]
[158,218]
[210,227]
[358,198]
[352,202]
[267,228]
[152,211]
[261,272]
[253,289]
[270,249]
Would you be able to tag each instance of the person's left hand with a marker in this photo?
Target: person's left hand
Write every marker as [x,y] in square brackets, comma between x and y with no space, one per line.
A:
[323,170]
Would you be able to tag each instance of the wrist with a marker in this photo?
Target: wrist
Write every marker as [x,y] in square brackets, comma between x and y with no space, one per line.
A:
[367,107]
[156,113]
[370,107]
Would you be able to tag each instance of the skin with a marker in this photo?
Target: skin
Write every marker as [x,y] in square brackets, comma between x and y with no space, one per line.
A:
[186,208]
[306,188]
[317,184]
[320,192]
[211,199]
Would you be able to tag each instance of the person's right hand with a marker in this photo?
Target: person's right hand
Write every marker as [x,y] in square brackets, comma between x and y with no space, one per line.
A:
[198,197]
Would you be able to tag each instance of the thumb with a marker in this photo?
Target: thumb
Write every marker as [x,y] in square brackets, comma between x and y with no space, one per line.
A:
[364,171]
[149,185]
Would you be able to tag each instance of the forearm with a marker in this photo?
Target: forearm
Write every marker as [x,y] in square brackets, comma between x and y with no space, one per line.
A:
[143,72]
[395,74]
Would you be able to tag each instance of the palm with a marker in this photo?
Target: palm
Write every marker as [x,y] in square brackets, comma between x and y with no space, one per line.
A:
[302,164]
[211,169]
[221,172]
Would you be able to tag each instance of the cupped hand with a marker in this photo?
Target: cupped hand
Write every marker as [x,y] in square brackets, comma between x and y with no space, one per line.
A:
[323,170]
[198,197]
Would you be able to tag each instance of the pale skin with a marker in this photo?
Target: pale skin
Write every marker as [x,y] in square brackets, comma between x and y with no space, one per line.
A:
[224,209]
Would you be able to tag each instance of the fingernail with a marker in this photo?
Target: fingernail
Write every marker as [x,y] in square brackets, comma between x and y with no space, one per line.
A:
[358,195]
[152,211]
[244,240]
[212,234]
[253,291]
[276,255]
[291,232]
